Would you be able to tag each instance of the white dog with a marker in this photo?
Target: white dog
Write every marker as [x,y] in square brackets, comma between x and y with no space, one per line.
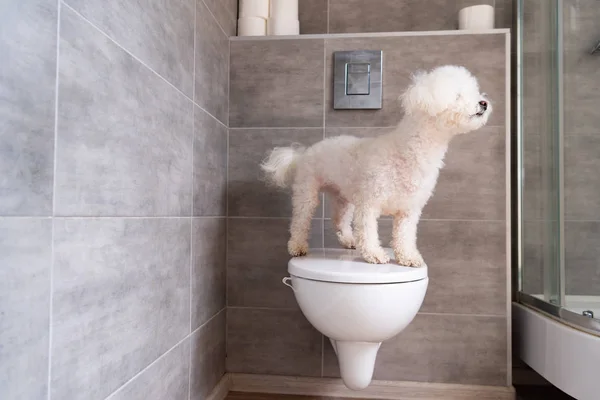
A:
[393,174]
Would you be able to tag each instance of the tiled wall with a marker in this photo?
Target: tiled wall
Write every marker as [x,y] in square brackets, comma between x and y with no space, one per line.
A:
[112,198]
[354,16]
[581,147]
[280,93]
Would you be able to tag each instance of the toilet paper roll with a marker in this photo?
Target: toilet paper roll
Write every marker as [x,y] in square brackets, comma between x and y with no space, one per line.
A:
[278,27]
[284,9]
[476,17]
[252,26]
[254,8]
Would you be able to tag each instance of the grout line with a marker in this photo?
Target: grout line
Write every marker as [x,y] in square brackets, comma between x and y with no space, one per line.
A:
[322,355]
[420,312]
[140,61]
[133,217]
[381,219]
[262,128]
[215,18]
[328,13]
[163,355]
[52,250]
[263,308]
[187,337]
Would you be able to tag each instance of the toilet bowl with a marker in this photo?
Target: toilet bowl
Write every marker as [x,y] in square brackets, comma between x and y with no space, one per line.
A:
[355,304]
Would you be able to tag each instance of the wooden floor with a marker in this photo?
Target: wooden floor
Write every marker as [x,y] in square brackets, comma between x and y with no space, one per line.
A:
[258,396]
[523,393]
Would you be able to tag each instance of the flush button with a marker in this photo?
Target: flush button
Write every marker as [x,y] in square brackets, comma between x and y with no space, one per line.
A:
[358,78]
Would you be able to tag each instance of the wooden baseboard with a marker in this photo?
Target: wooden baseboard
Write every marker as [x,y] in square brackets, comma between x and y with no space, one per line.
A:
[285,385]
[221,390]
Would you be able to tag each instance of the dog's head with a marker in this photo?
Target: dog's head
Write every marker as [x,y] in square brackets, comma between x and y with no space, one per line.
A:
[450,97]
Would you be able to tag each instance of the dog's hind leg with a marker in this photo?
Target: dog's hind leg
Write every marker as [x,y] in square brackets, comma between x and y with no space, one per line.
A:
[365,227]
[342,220]
[305,199]
[404,240]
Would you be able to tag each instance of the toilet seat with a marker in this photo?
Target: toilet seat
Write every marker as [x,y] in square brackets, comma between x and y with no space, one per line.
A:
[347,266]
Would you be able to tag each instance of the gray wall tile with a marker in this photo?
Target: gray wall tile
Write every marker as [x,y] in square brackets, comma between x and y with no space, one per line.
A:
[581,257]
[248,191]
[486,62]
[208,357]
[353,16]
[210,165]
[27,93]
[582,182]
[257,260]
[158,32]
[222,12]
[209,243]
[313,16]
[121,299]
[122,132]
[466,264]
[212,65]
[167,378]
[534,250]
[581,92]
[266,341]
[25,263]
[276,83]
[503,13]
[472,184]
[441,348]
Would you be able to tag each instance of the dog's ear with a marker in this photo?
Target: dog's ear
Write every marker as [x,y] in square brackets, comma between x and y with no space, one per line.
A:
[426,95]
[417,96]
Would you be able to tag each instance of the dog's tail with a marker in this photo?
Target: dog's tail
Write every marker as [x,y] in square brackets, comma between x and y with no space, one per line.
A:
[280,165]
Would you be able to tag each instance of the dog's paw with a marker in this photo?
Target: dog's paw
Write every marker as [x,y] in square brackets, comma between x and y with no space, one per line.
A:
[347,241]
[409,259]
[376,256]
[297,249]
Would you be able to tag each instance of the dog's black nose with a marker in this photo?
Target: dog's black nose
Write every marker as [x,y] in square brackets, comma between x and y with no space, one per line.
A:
[483,104]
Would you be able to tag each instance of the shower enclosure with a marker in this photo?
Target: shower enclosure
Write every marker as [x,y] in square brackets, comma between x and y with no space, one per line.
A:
[559,123]
[558,120]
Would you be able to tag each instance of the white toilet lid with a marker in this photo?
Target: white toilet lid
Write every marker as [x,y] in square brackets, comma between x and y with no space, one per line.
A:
[347,266]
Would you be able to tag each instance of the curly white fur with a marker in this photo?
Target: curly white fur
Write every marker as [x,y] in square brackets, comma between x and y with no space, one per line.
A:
[393,174]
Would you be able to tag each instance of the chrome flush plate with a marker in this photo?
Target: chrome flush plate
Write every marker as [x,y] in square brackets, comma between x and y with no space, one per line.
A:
[358,80]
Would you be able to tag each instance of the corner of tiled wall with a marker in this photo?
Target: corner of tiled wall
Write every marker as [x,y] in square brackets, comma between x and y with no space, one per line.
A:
[112,202]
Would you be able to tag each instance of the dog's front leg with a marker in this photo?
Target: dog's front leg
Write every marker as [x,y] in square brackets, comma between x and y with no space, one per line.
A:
[367,236]
[404,240]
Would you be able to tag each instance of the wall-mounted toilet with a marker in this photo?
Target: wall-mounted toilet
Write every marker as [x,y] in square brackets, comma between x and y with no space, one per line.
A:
[355,304]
